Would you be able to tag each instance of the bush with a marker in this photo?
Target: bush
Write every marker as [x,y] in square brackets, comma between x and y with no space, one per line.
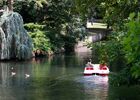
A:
[38,35]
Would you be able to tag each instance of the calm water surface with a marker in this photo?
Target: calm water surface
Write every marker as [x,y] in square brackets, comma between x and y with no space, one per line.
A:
[58,78]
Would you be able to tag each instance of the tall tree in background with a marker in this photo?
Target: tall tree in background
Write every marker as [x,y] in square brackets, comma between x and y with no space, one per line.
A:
[112,11]
[31,10]
[63,23]
[10,4]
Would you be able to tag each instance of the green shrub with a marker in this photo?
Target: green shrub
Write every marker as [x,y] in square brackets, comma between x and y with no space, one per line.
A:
[38,35]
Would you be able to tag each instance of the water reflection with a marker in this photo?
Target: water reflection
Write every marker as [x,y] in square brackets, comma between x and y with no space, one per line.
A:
[95,87]
[13,74]
[12,79]
[56,78]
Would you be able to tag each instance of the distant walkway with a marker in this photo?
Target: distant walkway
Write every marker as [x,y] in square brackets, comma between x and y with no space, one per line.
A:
[96,32]
[95,25]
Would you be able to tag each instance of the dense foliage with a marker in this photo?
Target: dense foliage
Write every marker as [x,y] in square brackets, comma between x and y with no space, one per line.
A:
[122,44]
[131,45]
[123,48]
[37,33]
[63,27]
[112,11]
[58,24]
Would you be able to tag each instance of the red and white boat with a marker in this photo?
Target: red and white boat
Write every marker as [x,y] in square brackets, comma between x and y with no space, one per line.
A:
[96,69]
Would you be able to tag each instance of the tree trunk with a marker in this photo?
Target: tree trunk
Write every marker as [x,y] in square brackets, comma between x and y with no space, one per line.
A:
[10,4]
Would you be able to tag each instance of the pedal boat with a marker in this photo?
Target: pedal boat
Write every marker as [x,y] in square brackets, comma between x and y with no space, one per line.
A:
[96,69]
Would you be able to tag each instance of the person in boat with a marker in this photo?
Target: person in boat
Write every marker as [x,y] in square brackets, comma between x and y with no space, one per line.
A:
[102,65]
[89,64]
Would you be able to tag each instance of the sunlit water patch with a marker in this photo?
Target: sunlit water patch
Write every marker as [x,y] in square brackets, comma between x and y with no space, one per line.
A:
[95,86]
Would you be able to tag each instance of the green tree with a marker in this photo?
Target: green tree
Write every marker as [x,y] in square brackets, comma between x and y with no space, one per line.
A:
[117,11]
[131,45]
[31,10]
[37,33]
[62,22]
[64,27]
[114,12]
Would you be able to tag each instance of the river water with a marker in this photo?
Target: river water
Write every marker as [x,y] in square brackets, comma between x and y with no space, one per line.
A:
[58,78]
